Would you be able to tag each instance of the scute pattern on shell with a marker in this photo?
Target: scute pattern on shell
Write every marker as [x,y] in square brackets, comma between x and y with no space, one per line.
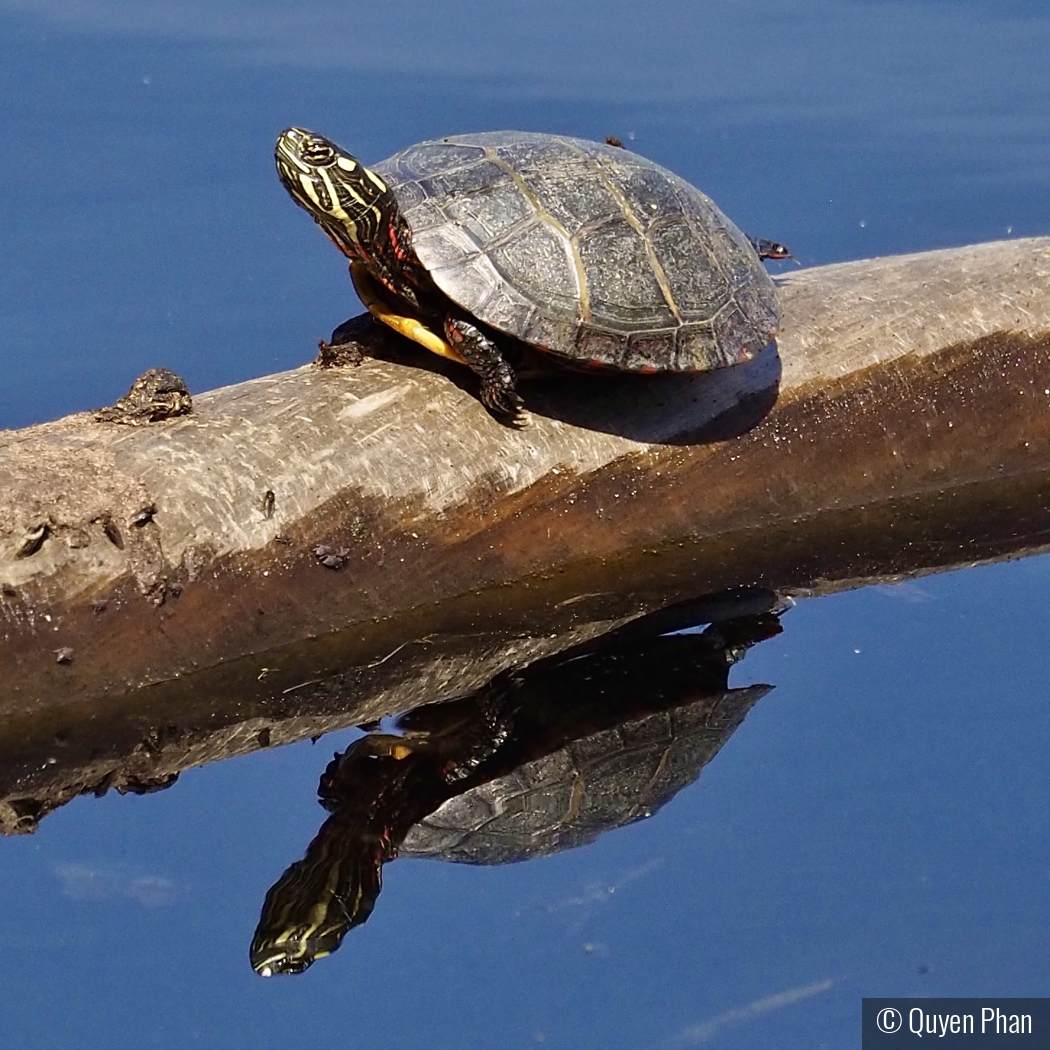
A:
[584,250]
[570,797]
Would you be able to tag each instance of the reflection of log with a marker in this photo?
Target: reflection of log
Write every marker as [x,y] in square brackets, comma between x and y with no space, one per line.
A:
[910,433]
[143,739]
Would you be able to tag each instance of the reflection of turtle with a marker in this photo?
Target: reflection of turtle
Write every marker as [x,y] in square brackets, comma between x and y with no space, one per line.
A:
[568,798]
[577,249]
[539,760]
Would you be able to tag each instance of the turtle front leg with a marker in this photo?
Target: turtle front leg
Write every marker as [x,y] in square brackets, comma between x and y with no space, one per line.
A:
[497,377]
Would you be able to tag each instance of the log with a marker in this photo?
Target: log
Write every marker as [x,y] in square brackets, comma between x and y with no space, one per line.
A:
[145,571]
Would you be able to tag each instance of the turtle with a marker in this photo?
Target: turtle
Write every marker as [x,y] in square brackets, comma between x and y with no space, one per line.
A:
[541,759]
[485,248]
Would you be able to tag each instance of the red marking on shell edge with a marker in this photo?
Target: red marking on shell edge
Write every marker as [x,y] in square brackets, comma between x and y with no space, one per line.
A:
[648,370]
[596,362]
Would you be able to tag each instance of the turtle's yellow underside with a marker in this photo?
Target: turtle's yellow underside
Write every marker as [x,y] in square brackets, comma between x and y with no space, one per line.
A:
[406,326]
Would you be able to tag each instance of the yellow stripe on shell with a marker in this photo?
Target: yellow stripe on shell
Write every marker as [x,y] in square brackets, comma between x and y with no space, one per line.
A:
[406,326]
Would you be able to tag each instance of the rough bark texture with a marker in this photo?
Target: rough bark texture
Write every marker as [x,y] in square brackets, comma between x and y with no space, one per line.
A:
[901,428]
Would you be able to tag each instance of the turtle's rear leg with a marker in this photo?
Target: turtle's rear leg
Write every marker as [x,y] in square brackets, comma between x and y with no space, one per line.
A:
[498,393]
[771,249]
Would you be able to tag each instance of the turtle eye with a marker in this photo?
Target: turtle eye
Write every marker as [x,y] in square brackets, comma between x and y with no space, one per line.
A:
[316,150]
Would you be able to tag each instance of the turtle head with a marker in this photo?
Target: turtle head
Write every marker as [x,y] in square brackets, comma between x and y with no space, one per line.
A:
[310,908]
[346,200]
[302,921]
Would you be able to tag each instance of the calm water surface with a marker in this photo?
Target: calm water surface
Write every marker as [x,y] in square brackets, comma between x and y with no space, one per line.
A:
[876,826]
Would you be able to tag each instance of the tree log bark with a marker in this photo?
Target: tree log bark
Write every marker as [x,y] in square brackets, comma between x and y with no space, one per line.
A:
[902,427]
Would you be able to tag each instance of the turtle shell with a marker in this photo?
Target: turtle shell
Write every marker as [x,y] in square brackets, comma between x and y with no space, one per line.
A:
[584,250]
[571,796]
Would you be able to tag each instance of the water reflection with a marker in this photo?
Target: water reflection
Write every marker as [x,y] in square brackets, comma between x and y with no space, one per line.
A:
[539,760]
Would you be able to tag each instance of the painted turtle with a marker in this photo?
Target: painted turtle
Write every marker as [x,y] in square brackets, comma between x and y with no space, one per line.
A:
[541,759]
[481,246]
[592,785]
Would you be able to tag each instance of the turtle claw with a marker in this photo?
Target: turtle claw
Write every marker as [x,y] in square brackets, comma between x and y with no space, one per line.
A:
[521,419]
[505,402]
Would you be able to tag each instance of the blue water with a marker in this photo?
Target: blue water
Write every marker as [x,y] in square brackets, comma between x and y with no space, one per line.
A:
[876,826]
